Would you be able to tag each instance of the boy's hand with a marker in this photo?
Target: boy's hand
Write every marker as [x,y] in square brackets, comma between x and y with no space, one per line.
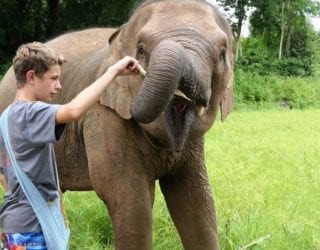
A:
[127,66]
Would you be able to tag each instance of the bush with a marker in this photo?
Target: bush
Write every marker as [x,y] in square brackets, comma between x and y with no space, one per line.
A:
[294,67]
[252,88]
[253,91]
[285,67]
[258,58]
[296,92]
[262,80]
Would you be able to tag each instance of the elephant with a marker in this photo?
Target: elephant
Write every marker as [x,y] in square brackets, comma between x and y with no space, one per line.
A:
[147,128]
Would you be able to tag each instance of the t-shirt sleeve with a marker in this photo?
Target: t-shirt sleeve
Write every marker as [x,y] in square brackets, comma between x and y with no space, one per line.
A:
[41,123]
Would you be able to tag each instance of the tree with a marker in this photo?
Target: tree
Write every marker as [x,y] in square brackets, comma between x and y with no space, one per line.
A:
[282,30]
[20,21]
[77,14]
[24,21]
[240,9]
[53,14]
[281,22]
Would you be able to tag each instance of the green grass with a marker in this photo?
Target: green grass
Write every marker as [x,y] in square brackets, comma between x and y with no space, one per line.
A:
[264,170]
[265,173]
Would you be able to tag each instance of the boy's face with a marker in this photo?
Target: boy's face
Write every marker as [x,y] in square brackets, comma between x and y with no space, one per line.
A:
[48,85]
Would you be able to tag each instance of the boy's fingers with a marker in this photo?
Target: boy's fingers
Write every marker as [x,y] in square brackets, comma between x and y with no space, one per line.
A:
[134,66]
[130,65]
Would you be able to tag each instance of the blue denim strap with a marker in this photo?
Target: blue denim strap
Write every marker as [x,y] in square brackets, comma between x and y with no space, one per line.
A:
[50,217]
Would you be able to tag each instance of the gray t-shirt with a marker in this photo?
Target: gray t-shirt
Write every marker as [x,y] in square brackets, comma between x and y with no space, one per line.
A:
[32,131]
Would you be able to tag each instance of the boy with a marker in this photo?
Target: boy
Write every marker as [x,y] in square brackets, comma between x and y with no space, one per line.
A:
[33,126]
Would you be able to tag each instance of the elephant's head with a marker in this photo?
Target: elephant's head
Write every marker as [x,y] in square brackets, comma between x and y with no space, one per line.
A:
[185,46]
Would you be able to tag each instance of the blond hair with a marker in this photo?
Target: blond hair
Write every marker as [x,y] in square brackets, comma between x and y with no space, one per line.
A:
[34,56]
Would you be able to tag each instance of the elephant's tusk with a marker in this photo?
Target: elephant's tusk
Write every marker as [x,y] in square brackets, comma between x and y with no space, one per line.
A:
[178,92]
[200,109]
[142,72]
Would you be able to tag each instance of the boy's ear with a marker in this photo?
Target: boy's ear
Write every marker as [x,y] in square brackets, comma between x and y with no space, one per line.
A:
[30,76]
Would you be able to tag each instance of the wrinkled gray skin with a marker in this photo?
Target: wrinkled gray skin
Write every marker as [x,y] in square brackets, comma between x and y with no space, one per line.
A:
[140,131]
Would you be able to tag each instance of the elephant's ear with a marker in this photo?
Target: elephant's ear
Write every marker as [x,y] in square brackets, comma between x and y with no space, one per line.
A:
[118,94]
[226,103]
[118,97]
[115,34]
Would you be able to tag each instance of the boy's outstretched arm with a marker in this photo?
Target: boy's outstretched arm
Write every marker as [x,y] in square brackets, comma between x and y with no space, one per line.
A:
[73,110]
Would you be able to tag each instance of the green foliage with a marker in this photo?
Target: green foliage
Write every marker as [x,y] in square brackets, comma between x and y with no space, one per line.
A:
[257,57]
[285,67]
[253,90]
[263,81]
[240,11]
[86,13]
[295,92]
[286,22]
[3,69]
[34,20]
[264,21]
[20,21]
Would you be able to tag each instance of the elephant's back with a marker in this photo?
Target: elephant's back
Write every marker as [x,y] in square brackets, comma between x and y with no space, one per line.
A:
[81,42]
[8,88]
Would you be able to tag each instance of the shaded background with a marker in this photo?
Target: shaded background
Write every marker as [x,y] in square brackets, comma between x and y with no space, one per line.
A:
[40,20]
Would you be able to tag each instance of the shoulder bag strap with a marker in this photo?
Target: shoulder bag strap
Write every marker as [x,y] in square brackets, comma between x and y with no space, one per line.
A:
[49,216]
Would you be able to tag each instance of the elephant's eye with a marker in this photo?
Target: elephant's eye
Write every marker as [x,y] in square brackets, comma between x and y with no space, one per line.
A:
[140,52]
[222,55]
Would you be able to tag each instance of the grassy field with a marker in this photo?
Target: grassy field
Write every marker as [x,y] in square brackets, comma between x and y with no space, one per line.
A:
[265,174]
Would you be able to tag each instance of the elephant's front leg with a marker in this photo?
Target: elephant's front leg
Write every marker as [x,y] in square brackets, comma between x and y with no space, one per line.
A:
[129,204]
[191,206]
[119,178]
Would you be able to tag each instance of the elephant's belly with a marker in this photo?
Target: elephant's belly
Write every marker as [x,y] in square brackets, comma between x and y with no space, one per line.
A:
[72,167]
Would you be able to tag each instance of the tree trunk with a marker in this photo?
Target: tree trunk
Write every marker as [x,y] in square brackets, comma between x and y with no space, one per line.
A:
[289,36]
[238,39]
[282,32]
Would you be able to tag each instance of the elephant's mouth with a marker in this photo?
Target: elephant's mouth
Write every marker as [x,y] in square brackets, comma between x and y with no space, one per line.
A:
[181,101]
[178,108]
[180,115]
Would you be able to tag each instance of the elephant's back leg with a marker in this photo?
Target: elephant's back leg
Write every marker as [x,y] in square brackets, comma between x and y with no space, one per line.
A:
[118,176]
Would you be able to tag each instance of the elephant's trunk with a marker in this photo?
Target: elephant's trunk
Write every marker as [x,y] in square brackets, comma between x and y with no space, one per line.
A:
[164,73]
